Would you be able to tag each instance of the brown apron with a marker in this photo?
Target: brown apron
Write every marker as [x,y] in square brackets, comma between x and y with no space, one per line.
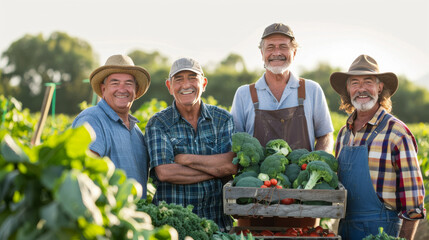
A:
[288,124]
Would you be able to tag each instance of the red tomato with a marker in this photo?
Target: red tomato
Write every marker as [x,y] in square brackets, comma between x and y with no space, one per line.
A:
[264,186]
[305,229]
[330,235]
[279,186]
[267,183]
[304,166]
[287,201]
[313,234]
[267,233]
[273,181]
[318,230]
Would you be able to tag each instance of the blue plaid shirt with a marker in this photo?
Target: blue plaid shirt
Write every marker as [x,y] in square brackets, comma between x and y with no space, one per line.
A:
[168,134]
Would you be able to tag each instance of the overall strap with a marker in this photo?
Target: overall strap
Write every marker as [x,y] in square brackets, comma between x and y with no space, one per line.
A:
[254,95]
[301,91]
[379,128]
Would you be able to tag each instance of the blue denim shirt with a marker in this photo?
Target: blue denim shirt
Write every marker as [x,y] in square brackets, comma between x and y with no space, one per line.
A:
[125,147]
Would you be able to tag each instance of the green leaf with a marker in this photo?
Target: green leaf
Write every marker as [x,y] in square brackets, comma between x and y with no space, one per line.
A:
[50,175]
[11,152]
[77,144]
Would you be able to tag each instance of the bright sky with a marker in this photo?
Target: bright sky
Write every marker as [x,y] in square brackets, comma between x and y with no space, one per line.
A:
[394,32]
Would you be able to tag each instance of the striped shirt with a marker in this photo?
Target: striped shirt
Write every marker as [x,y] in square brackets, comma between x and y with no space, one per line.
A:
[393,164]
[168,134]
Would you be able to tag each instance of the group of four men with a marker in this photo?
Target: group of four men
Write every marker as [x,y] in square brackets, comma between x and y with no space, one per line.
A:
[186,148]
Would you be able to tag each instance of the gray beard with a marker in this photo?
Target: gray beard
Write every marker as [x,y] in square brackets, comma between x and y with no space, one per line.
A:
[277,70]
[364,106]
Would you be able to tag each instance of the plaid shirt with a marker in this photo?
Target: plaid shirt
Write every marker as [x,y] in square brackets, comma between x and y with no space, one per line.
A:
[168,134]
[393,164]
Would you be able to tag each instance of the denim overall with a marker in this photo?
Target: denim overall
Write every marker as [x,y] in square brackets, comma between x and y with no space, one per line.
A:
[365,212]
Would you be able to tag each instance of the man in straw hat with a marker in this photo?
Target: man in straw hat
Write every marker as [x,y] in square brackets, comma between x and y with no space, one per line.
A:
[280,105]
[189,145]
[119,82]
[377,156]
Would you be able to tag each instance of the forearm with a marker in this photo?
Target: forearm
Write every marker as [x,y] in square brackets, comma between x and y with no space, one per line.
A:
[325,143]
[218,165]
[408,229]
[179,174]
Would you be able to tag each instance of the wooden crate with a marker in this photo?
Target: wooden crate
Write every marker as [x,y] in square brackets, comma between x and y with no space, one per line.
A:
[236,230]
[262,196]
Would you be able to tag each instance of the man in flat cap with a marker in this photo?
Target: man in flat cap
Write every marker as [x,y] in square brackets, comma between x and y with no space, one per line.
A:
[280,105]
[119,82]
[377,156]
[189,146]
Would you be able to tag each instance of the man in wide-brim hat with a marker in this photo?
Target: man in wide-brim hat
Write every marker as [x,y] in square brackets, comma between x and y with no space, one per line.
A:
[377,156]
[118,83]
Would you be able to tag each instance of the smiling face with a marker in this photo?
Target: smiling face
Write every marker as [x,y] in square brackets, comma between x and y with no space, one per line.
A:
[364,91]
[119,91]
[277,53]
[186,87]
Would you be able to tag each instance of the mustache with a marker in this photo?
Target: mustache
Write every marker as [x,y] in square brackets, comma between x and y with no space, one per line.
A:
[364,94]
[187,90]
[279,57]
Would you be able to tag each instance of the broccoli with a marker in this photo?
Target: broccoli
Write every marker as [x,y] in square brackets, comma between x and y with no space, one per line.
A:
[252,168]
[318,171]
[242,175]
[284,180]
[273,165]
[308,157]
[382,236]
[334,182]
[301,180]
[292,171]
[181,218]
[277,146]
[329,159]
[249,150]
[296,154]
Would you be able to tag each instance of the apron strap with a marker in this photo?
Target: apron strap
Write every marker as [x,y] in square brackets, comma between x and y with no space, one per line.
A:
[301,91]
[254,95]
[377,130]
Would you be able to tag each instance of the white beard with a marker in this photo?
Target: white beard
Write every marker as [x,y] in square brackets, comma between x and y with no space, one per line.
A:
[278,69]
[365,106]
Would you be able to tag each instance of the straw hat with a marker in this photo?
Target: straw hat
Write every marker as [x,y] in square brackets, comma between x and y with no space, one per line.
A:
[363,65]
[120,64]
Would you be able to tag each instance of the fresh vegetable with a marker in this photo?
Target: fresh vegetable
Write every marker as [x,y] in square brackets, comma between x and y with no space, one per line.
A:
[382,236]
[292,171]
[248,182]
[322,185]
[296,154]
[263,177]
[277,146]
[273,165]
[267,183]
[318,171]
[308,157]
[181,218]
[301,180]
[284,180]
[287,201]
[273,181]
[242,175]
[319,155]
[251,168]
[304,166]
[249,150]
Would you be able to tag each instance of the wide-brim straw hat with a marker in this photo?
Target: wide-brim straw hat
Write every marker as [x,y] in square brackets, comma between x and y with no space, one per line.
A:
[120,64]
[363,65]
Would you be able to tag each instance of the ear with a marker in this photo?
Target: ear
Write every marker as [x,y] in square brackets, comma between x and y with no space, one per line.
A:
[380,87]
[102,88]
[204,84]
[168,85]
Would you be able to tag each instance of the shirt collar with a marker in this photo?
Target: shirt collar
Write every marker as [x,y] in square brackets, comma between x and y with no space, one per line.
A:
[204,113]
[113,115]
[292,83]
[375,120]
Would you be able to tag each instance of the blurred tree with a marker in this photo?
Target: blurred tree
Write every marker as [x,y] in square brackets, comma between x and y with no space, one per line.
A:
[32,61]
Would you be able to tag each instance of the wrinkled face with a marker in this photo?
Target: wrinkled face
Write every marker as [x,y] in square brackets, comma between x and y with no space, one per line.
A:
[119,91]
[364,91]
[186,87]
[277,53]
